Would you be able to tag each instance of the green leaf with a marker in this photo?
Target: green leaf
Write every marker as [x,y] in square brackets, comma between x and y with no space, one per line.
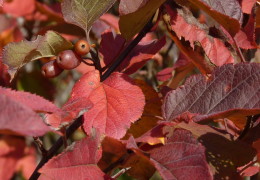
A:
[131,24]
[84,13]
[16,55]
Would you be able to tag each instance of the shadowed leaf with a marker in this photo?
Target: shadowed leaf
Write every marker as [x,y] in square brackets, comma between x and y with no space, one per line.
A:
[218,145]
[182,157]
[84,13]
[232,92]
[131,24]
[112,46]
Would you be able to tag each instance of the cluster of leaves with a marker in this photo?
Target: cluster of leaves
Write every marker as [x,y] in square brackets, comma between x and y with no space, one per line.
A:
[174,93]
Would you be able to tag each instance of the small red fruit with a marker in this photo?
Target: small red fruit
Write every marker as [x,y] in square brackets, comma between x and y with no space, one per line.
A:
[68,59]
[82,47]
[51,69]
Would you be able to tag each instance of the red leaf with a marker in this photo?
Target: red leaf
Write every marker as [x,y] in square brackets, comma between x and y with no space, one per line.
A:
[16,112]
[27,163]
[256,145]
[78,161]
[4,76]
[247,5]
[182,64]
[243,41]
[248,170]
[106,21]
[19,7]
[245,38]
[111,46]
[11,150]
[111,20]
[251,29]
[227,13]
[218,145]
[34,102]
[117,102]
[182,157]
[71,110]
[165,74]
[232,90]
[185,25]
[127,7]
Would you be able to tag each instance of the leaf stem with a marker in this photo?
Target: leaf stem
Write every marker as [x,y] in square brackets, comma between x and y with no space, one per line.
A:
[52,151]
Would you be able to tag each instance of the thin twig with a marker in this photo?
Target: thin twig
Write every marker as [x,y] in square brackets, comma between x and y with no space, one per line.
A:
[87,63]
[247,166]
[39,143]
[58,144]
[238,50]
[118,162]
[122,171]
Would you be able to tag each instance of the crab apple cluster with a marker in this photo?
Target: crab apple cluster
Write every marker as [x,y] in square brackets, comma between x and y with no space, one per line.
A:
[68,59]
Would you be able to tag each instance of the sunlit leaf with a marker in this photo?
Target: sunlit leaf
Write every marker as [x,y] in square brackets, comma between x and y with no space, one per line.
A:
[16,55]
[117,102]
[78,161]
[17,112]
[227,13]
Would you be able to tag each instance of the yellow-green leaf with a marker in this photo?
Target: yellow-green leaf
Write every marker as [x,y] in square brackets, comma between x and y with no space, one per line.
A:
[17,54]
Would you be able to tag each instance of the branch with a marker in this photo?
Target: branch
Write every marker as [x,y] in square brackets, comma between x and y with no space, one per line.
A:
[53,150]
[240,54]
[129,48]
[79,121]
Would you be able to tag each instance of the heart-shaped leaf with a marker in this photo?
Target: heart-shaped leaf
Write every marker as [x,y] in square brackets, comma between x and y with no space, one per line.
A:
[117,102]
[84,13]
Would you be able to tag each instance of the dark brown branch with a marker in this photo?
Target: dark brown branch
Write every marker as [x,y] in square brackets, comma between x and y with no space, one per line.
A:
[53,150]
[127,50]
